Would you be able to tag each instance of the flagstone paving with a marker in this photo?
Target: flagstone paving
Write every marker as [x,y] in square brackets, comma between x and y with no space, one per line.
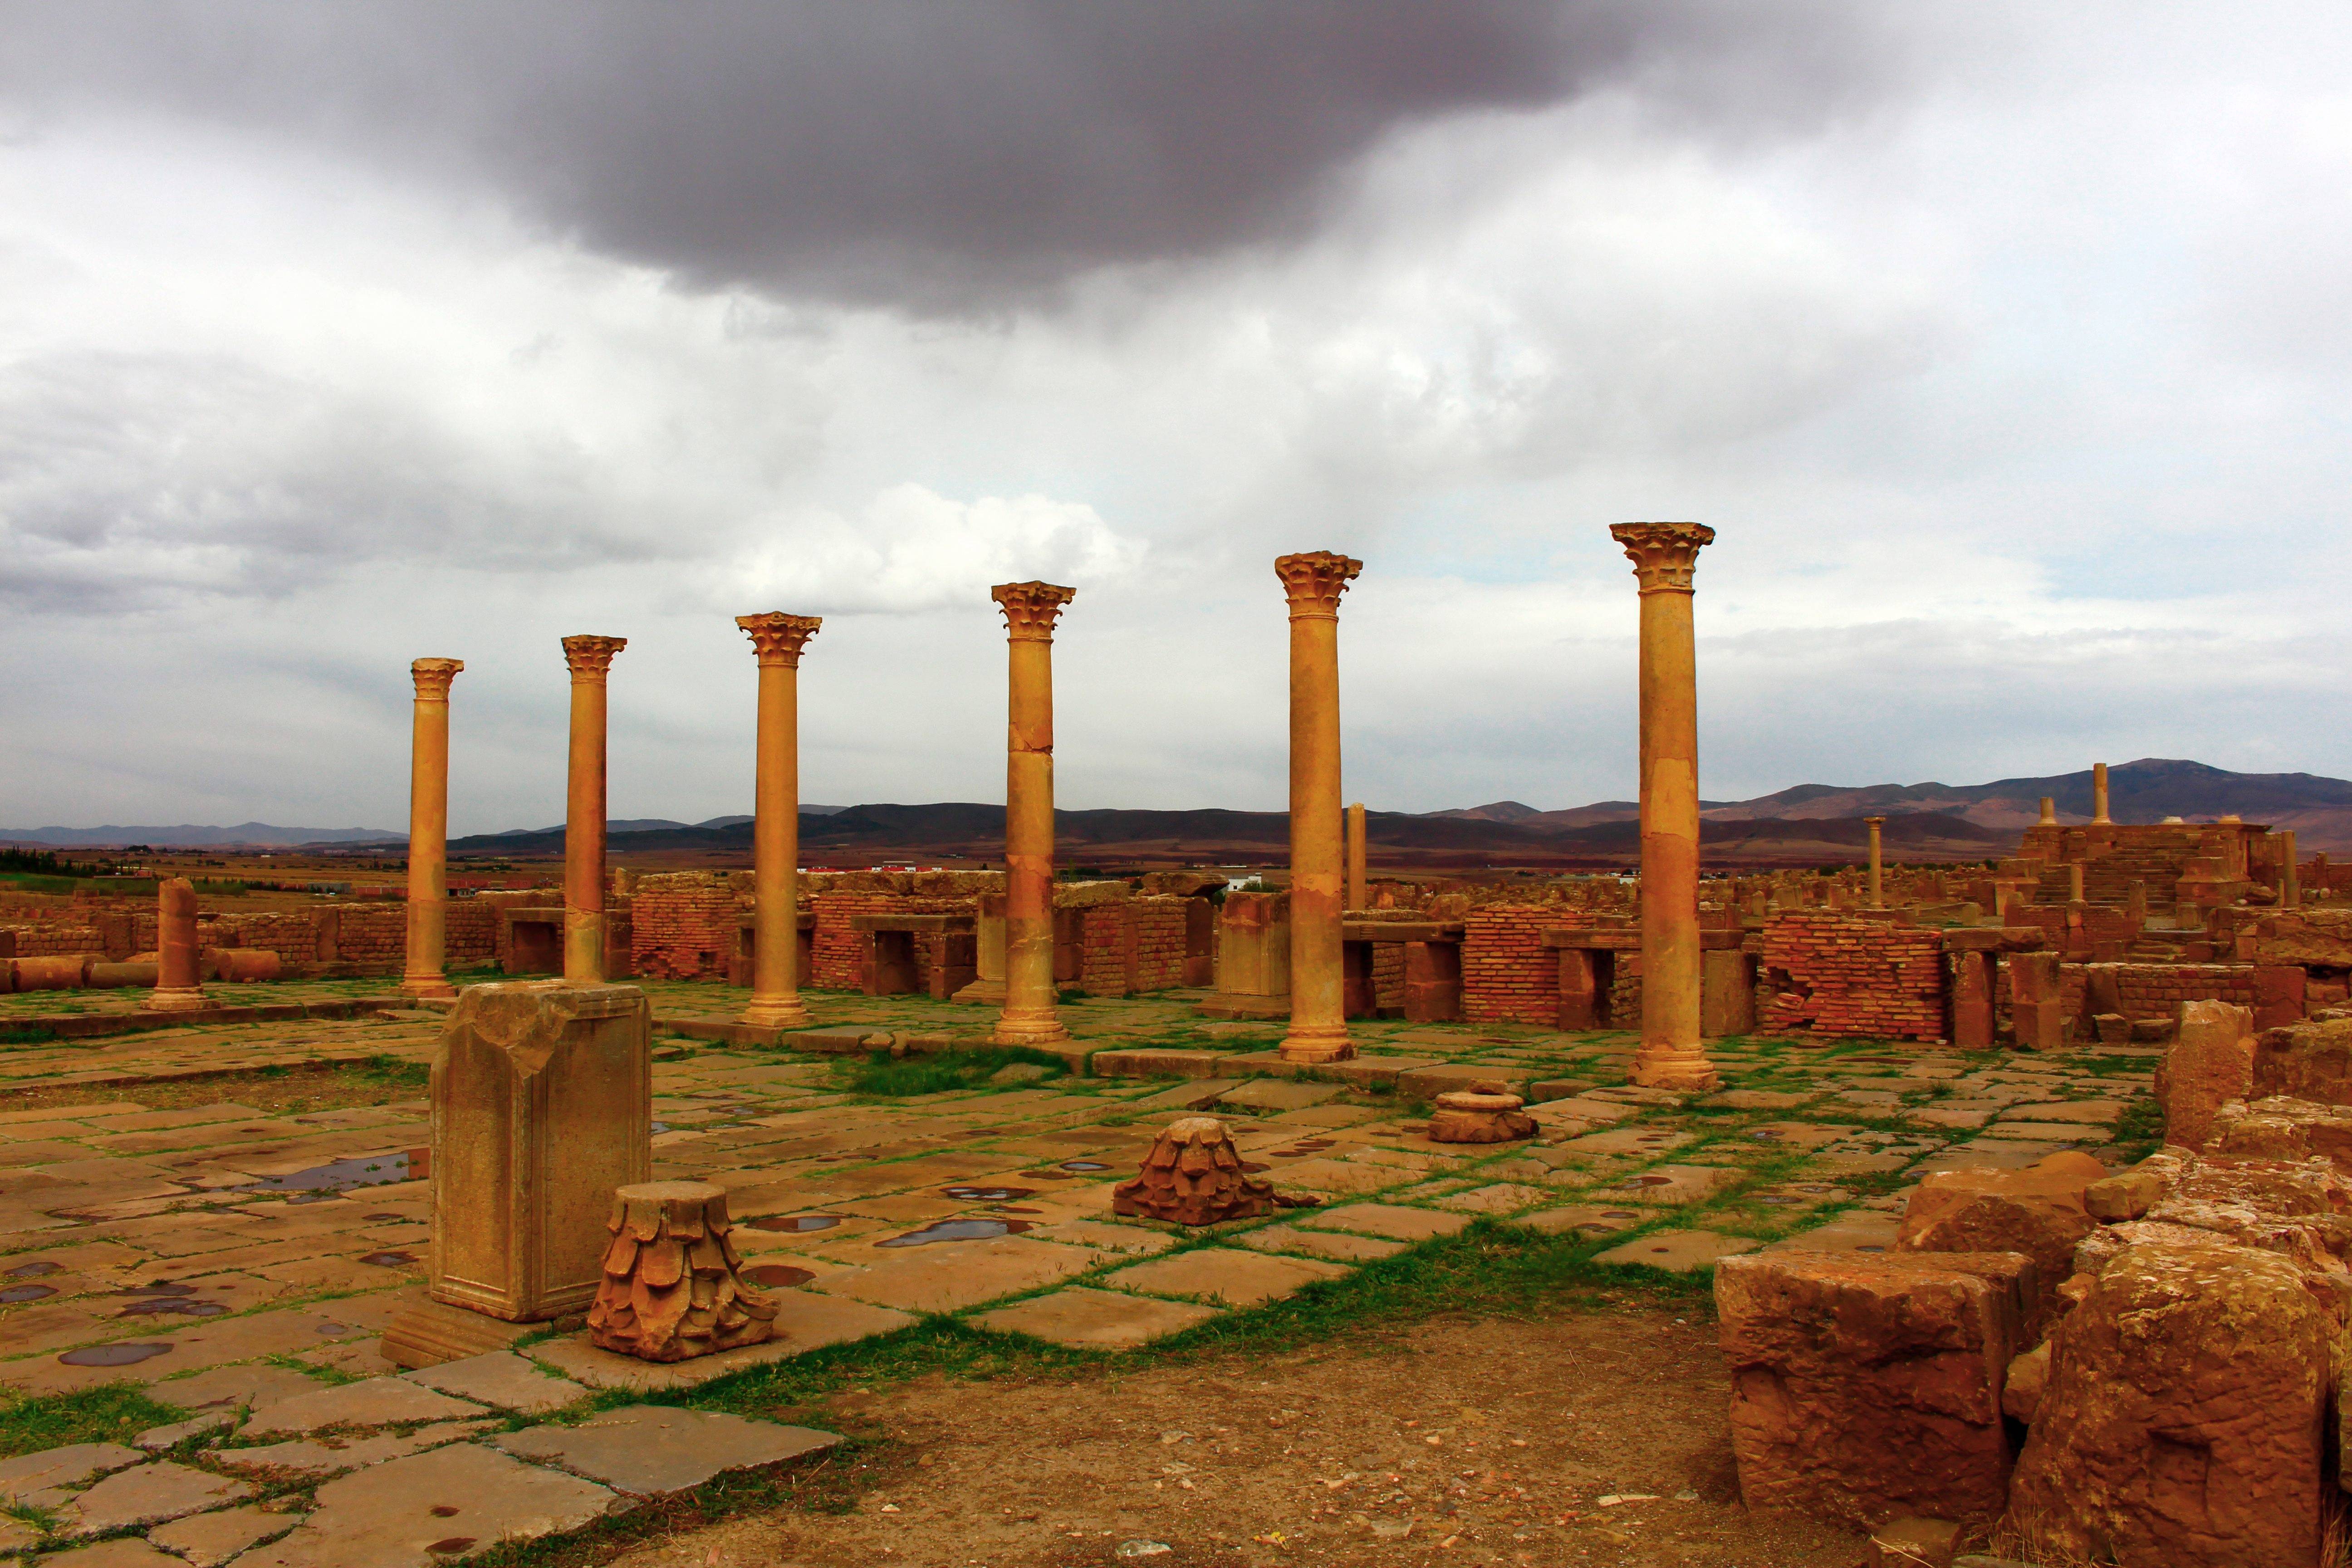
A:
[222,1252]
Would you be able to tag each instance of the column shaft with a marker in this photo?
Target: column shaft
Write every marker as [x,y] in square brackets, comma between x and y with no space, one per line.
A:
[591,658]
[2099,793]
[1877,890]
[2290,874]
[1318,999]
[428,830]
[1359,858]
[178,985]
[1029,1015]
[776,825]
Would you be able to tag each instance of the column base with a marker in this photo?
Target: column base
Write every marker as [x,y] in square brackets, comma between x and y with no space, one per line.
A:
[776,1013]
[1317,1045]
[1041,1027]
[1667,1067]
[436,985]
[984,992]
[175,999]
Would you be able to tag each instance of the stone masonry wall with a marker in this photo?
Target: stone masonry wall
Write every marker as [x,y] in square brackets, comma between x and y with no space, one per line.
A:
[838,949]
[2155,990]
[1133,945]
[1844,978]
[1508,975]
[684,926]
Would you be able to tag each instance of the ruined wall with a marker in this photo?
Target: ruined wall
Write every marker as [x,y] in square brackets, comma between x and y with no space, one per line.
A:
[47,940]
[1388,977]
[1132,946]
[684,926]
[1844,977]
[470,934]
[837,951]
[2156,990]
[1508,975]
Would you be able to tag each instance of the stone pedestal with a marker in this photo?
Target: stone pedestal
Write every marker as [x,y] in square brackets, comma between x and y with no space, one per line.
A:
[590,660]
[178,985]
[1727,992]
[2036,1001]
[987,953]
[1319,1014]
[1483,1113]
[775,1003]
[672,1288]
[542,1105]
[1253,958]
[1972,1001]
[1664,556]
[428,830]
[1029,1018]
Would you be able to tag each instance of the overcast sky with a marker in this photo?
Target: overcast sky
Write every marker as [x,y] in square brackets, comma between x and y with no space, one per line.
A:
[2005,346]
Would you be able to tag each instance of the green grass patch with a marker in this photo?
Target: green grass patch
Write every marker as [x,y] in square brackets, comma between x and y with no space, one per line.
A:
[27,1037]
[2139,1131]
[882,1075]
[396,1072]
[110,1413]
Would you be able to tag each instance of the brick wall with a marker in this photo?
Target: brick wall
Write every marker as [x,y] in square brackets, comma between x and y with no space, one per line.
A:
[1388,975]
[1625,991]
[1507,976]
[48,938]
[2104,925]
[2154,990]
[1847,978]
[684,926]
[1132,945]
[839,950]
[470,934]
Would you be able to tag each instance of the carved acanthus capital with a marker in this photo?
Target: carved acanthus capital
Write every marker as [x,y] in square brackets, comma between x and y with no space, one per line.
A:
[1314,582]
[433,677]
[778,638]
[591,657]
[1031,608]
[1663,554]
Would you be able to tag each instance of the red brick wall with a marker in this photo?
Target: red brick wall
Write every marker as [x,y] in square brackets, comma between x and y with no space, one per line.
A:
[470,934]
[1132,945]
[1388,975]
[1846,978]
[46,940]
[1625,991]
[684,927]
[2153,990]
[838,949]
[1506,975]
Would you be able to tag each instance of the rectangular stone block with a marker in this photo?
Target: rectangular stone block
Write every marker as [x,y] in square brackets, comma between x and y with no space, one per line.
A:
[1433,981]
[1868,1386]
[543,1104]
[1727,1003]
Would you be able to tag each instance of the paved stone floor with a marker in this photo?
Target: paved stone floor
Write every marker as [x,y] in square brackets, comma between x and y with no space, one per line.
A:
[233,1258]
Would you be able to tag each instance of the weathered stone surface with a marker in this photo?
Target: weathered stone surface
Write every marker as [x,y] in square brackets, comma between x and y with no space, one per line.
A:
[155,1439]
[1192,1175]
[1866,1386]
[1222,1273]
[2021,1391]
[378,1401]
[804,1322]
[1095,1319]
[503,1379]
[2127,1194]
[1911,1542]
[2305,1061]
[2038,1211]
[130,1552]
[1394,1221]
[647,1450]
[1485,1113]
[2282,1128]
[2211,1062]
[148,1494]
[2182,1422]
[316,1458]
[34,1480]
[432,1506]
[208,1539]
[673,1287]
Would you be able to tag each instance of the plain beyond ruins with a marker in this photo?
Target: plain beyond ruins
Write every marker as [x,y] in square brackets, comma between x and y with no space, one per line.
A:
[2013,1200]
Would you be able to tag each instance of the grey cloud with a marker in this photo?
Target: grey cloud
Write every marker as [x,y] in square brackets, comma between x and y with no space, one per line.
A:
[948,157]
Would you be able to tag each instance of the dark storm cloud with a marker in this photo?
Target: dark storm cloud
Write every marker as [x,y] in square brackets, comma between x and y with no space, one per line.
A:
[949,156]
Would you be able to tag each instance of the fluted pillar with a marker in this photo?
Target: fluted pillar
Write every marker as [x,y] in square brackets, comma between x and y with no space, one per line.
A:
[1030,612]
[1877,886]
[428,830]
[1664,556]
[591,658]
[179,987]
[1318,998]
[1359,858]
[775,1003]
[2099,816]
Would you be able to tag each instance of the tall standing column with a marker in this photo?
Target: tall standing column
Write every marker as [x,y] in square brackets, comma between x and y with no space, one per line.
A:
[1878,887]
[1030,612]
[1664,556]
[179,984]
[2290,874]
[2049,811]
[776,825]
[2099,816]
[591,657]
[1318,994]
[1359,858]
[428,830]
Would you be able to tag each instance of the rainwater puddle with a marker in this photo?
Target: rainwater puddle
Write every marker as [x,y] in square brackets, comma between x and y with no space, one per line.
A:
[778,1276]
[1778,1201]
[1619,1214]
[361,1171]
[987,1194]
[956,1230]
[1082,1166]
[113,1355]
[389,1259]
[1634,1183]
[795,1222]
[34,1270]
[173,1307]
[16,1293]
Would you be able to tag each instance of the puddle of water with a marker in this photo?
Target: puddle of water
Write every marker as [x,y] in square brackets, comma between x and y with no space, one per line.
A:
[173,1307]
[16,1293]
[987,1194]
[332,1330]
[361,1170]
[1647,1182]
[795,1222]
[779,1276]
[1775,1201]
[1619,1214]
[1082,1165]
[1765,1135]
[455,1544]
[956,1230]
[34,1270]
[389,1259]
[113,1355]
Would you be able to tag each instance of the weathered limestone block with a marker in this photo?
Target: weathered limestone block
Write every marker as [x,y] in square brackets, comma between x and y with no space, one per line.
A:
[2305,1061]
[542,1105]
[1868,1386]
[2038,1211]
[2183,1420]
[672,1289]
[2037,1000]
[2282,1128]
[1192,1175]
[2021,1390]
[245,965]
[1483,1113]
[2212,1063]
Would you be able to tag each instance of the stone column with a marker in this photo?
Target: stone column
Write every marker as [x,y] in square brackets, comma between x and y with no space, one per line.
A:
[179,987]
[2099,817]
[775,1003]
[583,821]
[1030,612]
[1663,555]
[1359,858]
[1319,1006]
[2290,874]
[2049,811]
[1877,868]
[428,830]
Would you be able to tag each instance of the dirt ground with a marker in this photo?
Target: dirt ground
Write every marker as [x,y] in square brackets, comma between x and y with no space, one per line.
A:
[1595,1438]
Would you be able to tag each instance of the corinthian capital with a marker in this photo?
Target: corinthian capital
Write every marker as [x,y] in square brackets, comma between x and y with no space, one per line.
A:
[778,638]
[433,677]
[591,657]
[1663,554]
[1314,582]
[1031,608]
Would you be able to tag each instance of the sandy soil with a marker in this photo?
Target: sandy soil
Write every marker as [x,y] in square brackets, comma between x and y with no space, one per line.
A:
[1487,1442]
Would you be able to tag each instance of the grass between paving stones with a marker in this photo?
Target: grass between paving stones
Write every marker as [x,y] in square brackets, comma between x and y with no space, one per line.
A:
[2139,1130]
[110,1412]
[884,1077]
[379,1079]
